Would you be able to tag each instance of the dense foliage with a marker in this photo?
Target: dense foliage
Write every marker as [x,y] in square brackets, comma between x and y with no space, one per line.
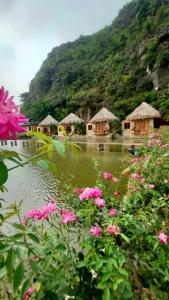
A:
[118,67]
[94,246]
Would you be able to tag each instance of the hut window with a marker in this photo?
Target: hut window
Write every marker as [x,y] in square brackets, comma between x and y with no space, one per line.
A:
[90,127]
[126,125]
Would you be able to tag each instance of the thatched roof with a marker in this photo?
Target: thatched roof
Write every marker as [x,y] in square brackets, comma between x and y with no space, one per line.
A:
[103,115]
[49,120]
[71,119]
[144,111]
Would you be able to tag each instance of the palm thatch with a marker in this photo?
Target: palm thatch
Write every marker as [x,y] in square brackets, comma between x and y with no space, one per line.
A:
[49,120]
[144,111]
[103,115]
[71,119]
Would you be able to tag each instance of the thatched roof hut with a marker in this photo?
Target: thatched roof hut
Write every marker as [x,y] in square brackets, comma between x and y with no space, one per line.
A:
[102,116]
[71,119]
[49,120]
[144,111]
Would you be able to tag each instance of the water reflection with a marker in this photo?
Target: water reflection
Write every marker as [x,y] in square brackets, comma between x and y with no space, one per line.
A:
[34,185]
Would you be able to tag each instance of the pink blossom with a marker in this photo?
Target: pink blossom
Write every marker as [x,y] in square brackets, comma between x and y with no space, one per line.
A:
[153,142]
[68,216]
[33,214]
[107,175]
[10,118]
[78,191]
[49,208]
[90,193]
[116,194]
[100,202]
[135,160]
[96,231]
[151,187]
[154,135]
[166,154]
[113,212]
[114,180]
[113,230]
[137,176]
[164,146]
[163,238]
[146,158]
[29,293]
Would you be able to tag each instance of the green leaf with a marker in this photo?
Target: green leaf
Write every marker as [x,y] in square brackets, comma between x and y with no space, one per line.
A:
[18,276]
[40,135]
[60,147]
[124,237]
[33,237]
[25,287]
[3,272]
[17,226]
[10,262]
[3,173]
[106,295]
[43,164]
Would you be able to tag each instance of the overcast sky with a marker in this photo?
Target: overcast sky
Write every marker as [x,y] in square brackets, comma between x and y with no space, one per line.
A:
[29,29]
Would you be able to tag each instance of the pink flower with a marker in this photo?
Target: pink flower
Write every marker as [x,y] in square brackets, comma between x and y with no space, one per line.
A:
[153,142]
[68,216]
[113,230]
[96,231]
[146,158]
[114,180]
[166,154]
[78,191]
[163,238]
[116,194]
[151,187]
[49,208]
[154,135]
[135,160]
[113,212]
[137,176]
[107,175]
[29,293]
[100,202]
[10,118]
[164,146]
[34,213]
[90,193]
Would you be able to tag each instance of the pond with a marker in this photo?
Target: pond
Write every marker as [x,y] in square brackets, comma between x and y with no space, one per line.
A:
[34,185]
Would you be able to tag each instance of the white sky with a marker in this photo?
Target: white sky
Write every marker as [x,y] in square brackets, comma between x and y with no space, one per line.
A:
[29,29]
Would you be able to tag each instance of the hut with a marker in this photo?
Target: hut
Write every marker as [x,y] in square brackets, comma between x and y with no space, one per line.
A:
[48,125]
[102,124]
[72,125]
[143,118]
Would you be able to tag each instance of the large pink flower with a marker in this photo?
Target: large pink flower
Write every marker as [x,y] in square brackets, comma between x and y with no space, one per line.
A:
[163,238]
[10,118]
[90,193]
[113,212]
[49,208]
[107,175]
[96,231]
[100,202]
[113,230]
[68,216]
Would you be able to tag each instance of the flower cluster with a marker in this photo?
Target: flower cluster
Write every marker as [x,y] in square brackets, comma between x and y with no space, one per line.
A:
[37,214]
[90,193]
[100,202]
[67,216]
[153,142]
[10,118]
[97,231]
[107,175]
[137,176]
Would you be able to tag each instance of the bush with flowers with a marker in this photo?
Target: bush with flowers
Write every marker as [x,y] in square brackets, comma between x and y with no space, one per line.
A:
[94,246]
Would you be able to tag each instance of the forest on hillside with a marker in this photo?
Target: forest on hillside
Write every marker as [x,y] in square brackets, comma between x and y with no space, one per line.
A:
[118,67]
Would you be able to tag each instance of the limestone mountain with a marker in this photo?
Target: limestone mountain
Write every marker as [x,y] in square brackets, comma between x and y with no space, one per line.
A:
[118,67]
